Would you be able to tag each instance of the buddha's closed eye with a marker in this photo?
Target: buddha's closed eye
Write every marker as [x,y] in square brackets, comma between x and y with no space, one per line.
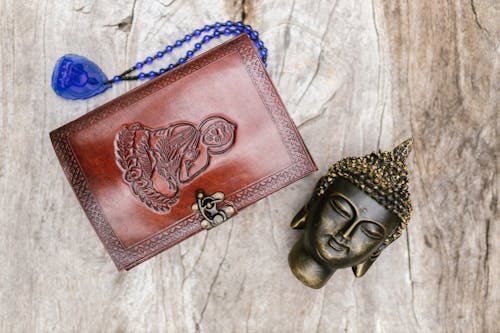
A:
[372,230]
[342,206]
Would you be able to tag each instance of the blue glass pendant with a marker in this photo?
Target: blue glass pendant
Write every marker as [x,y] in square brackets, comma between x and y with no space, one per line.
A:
[76,77]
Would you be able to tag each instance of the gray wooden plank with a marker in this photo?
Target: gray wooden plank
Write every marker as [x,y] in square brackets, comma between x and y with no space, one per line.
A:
[355,77]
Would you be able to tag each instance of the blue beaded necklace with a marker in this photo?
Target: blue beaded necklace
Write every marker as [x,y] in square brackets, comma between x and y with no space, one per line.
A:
[76,77]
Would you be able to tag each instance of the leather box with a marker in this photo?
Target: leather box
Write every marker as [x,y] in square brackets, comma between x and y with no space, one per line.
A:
[215,123]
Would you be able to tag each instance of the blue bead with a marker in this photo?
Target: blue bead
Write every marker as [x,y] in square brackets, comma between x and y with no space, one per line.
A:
[149,60]
[207,28]
[139,65]
[263,52]
[197,32]
[260,44]
[237,32]
[152,75]
[162,70]
[159,54]
[216,34]
[254,35]
[170,67]
[206,39]
[182,60]
[76,77]
[142,76]
[227,32]
[217,25]
[197,46]
[229,23]
[187,38]
[189,54]
[239,24]
[178,43]
[248,28]
[116,79]
[169,49]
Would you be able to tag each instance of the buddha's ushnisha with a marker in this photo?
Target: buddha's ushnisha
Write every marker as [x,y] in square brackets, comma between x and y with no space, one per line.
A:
[358,208]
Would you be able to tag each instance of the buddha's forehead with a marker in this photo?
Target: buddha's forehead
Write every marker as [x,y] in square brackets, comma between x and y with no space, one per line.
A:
[366,206]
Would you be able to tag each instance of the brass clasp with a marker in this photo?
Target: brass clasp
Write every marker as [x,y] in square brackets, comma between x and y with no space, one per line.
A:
[206,205]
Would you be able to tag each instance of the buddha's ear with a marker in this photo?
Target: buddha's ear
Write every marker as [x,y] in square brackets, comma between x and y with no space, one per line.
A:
[299,221]
[360,269]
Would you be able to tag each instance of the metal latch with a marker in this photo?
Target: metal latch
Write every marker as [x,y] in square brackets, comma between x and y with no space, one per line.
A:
[206,205]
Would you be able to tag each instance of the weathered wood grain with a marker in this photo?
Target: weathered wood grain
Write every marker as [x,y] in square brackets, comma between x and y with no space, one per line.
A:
[355,76]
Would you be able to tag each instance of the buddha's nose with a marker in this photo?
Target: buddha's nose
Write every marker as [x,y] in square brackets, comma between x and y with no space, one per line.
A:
[349,229]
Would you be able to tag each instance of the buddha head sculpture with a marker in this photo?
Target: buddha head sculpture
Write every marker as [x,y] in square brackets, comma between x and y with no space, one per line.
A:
[357,209]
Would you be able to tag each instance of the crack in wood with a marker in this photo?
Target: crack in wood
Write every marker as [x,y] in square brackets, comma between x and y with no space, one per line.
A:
[410,274]
[82,10]
[167,4]
[486,266]
[286,41]
[379,74]
[211,288]
[487,249]
[476,18]
[127,40]
[322,108]
[321,310]
[273,237]
[249,313]
[318,63]
[124,25]
[240,289]
[243,11]
[197,259]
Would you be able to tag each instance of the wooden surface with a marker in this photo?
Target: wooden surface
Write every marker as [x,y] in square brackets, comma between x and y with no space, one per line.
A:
[356,76]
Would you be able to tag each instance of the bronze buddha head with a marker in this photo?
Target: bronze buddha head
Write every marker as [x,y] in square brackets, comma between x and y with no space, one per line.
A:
[357,209]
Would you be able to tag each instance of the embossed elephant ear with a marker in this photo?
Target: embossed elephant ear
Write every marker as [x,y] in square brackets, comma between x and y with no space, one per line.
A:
[217,134]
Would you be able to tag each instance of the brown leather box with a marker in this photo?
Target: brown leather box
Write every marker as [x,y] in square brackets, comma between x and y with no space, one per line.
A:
[215,124]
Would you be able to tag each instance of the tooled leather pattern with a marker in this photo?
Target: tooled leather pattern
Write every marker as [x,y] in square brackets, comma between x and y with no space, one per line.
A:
[169,156]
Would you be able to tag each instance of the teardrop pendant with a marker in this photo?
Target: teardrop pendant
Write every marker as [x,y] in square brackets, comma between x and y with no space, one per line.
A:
[76,77]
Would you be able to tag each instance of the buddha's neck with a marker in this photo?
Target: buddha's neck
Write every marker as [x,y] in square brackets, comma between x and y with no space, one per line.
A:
[307,269]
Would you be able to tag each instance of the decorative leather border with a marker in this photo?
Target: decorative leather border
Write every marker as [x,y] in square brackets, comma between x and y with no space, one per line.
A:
[302,164]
